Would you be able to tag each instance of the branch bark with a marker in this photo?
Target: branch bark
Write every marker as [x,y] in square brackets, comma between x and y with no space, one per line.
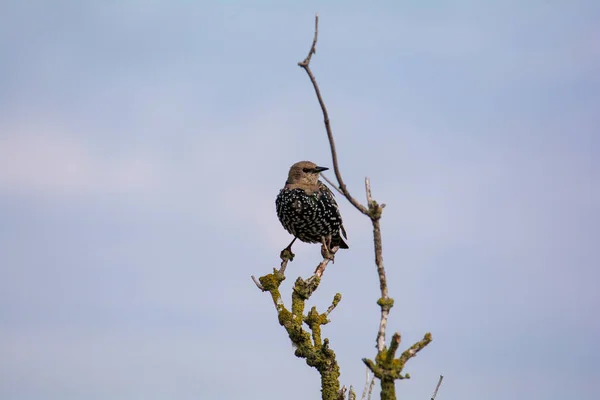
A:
[305,64]
[386,367]
[310,346]
[437,387]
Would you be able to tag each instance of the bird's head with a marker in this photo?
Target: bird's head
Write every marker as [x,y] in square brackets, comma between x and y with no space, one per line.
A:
[304,173]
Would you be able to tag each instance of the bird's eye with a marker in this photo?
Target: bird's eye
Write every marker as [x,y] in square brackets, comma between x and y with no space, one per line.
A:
[307,170]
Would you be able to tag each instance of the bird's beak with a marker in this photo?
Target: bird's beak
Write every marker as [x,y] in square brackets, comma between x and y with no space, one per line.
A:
[321,169]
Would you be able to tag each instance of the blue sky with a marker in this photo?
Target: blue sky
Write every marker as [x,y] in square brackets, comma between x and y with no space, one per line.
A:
[142,145]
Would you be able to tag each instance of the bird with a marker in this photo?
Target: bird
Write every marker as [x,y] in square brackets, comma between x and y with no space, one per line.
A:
[307,209]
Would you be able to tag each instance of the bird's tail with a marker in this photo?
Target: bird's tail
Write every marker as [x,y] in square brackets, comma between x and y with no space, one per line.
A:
[337,241]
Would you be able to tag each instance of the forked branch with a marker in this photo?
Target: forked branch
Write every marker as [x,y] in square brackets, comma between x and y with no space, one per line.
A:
[306,65]
[385,367]
[310,346]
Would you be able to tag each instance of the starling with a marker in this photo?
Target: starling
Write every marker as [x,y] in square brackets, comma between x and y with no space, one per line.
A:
[307,209]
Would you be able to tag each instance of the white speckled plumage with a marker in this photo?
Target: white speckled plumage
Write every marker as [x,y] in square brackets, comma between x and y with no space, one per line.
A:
[307,208]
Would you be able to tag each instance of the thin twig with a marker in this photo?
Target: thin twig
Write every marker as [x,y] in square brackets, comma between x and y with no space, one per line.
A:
[371,387]
[373,211]
[257,283]
[306,65]
[336,300]
[437,387]
[281,270]
[366,389]
[351,393]
[333,185]
[313,48]
[384,302]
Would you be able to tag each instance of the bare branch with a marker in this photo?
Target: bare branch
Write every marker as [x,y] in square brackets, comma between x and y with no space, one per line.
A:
[306,65]
[257,283]
[437,387]
[371,387]
[384,302]
[373,211]
[313,48]
[320,270]
[351,394]
[333,185]
[366,389]
[386,367]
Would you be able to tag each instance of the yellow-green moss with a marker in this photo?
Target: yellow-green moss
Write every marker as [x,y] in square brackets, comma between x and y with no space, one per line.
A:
[375,210]
[388,368]
[272,281]
[330,383]
[336,299]
[386,303]
[316,352]
[297,307]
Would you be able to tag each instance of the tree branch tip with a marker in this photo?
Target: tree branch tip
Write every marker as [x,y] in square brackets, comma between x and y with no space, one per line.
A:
[337,298]
[391,352]
[369,363]
[437,387]
[257,283]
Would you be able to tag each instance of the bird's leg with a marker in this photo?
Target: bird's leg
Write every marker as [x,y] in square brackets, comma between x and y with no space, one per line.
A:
[286,254]
[326,248]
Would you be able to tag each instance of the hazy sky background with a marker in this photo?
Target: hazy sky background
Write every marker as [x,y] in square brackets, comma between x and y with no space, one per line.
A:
[142,145]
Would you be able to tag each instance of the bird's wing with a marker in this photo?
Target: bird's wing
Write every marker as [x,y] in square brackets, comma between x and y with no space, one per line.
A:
[327,192]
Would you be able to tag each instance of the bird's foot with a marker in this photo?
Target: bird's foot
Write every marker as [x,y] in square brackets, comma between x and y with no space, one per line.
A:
[326,250]
[286,254]
[326,253]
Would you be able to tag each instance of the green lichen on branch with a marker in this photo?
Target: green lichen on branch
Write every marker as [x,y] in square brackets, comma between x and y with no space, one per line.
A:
[286,254]
[314,320]
[352,394]
[305,289]
[272,281]
[388,368]
[312,348]
[385,304]
[375,210]
[336,300]
[297,306]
